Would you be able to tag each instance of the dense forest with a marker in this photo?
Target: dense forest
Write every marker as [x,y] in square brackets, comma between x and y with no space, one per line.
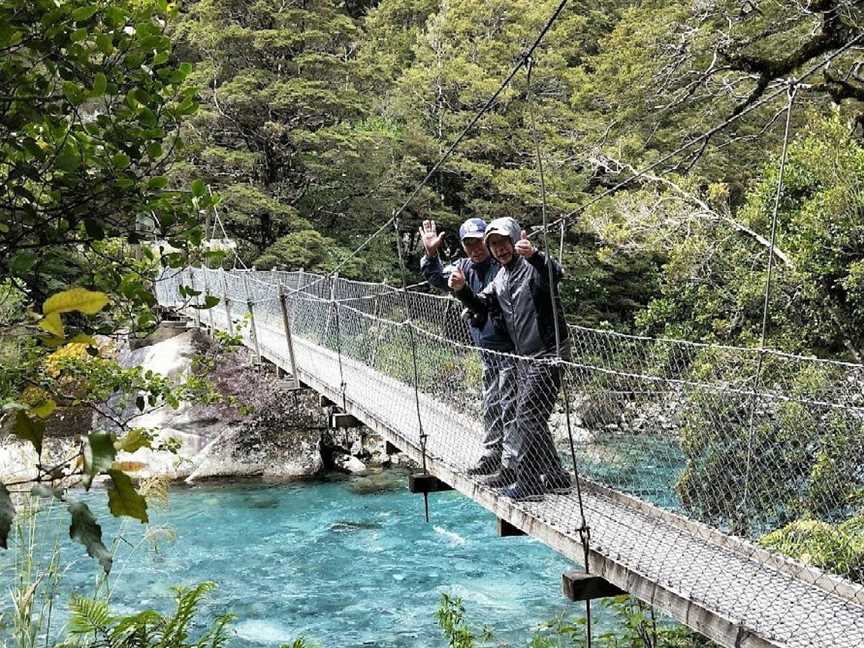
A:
[318,118]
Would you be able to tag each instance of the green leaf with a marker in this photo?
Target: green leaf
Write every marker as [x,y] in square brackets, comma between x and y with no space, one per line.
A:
[27,429]
[79,35]
[120,160]
[157,182]
[86,530]
[198,188]
[82,300]
[100,83]
[209,302]
[68,159]
[99,455]
[123,499]
[84,13]
[7,514]
[154,149]
[103,42]
[45,408]
[133,440]
[22,262]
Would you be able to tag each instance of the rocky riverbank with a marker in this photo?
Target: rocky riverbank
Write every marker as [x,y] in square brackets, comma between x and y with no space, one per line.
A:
[264,427]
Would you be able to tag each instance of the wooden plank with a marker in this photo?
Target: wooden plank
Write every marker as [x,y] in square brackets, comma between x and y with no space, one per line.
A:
[507,530]
[578,586]
[426,483]
[339,421]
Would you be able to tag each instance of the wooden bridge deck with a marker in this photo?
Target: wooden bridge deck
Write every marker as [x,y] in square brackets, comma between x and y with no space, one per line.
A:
[726,588]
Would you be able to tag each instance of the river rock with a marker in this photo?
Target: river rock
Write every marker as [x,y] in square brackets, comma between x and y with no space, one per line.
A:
[349,464]
[270,430]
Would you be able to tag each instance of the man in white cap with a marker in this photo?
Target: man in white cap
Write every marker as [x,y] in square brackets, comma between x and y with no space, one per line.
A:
[499,385]
[522,293]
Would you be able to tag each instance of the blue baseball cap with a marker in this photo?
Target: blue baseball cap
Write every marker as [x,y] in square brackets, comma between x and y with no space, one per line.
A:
[472,228]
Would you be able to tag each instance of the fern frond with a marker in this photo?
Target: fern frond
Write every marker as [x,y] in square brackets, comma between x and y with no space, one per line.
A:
[300,642]
[175,630]
[218,635]
[139,624]
[89,616]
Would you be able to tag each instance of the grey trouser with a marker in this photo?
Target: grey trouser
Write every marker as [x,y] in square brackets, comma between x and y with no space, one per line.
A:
[499,408]
[535,451]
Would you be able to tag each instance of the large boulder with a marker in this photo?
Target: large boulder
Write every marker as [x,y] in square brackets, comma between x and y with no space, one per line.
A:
[263,428]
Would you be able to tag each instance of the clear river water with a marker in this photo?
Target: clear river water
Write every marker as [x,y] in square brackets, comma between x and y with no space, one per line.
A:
[343,562]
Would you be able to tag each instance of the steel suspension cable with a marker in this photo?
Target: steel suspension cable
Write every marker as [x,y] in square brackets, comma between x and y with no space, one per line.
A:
[707,135]
[555,298]
[413,342]
[334,304]
[792,90]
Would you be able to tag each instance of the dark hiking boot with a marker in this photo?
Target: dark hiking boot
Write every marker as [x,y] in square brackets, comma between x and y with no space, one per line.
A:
[558,482]
[504,477]
[486,466]
[523,491]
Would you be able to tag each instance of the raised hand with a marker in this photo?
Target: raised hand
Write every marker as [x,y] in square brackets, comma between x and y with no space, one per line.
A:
[456,280]
[431,241]
[524,247]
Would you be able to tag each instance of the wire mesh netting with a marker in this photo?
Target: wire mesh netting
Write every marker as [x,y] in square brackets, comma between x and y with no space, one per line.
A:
[733,477]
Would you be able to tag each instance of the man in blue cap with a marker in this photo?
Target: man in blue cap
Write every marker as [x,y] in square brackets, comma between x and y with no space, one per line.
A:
[499,381]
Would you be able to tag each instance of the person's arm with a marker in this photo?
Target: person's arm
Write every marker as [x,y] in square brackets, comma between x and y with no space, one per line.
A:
[430,264]
[433,271]
[479,303]
[541,263]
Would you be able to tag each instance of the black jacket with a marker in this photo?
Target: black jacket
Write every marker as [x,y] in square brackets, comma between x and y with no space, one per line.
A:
[483,330]
[522,294]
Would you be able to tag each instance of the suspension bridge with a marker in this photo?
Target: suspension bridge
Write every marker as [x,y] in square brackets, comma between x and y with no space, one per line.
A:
[686,463]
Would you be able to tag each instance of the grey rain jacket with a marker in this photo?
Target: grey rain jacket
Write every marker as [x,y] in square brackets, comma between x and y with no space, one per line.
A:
[484,331]
[520,292]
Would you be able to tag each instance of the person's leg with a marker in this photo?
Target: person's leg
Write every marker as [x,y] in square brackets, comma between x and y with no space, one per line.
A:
[508,389]
[509,381]
[527,432]
[539,463]
[555,477]
[493,423]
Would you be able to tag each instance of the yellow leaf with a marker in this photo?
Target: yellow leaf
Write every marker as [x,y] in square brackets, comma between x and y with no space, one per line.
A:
[44,409]
[53,325]
[81,338]
[82,300]
[128,466]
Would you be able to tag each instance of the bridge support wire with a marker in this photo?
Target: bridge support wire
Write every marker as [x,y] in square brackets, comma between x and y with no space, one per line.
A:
[754,401]
[335,306]
[554,296]
[413,344]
